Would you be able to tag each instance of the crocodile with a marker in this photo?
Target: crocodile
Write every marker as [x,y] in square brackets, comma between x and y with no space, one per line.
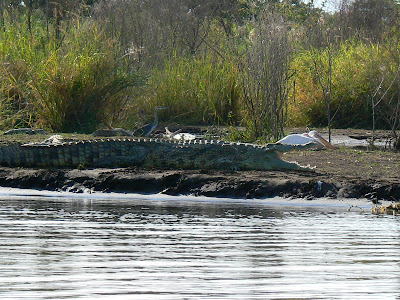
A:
[149,152]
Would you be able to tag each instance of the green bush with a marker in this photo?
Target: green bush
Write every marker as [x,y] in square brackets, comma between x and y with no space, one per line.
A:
[67,85]
[361,73]
[350,102]
[197,90]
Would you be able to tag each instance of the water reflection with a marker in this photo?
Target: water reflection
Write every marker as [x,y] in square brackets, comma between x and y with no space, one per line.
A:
[140,249]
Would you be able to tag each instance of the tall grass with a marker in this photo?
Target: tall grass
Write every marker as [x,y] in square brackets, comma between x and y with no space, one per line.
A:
[197,90]
[75,78]
[350,87]
[364,87]
[67,85]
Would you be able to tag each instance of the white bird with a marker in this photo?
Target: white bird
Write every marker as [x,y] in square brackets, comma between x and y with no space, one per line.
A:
[179,136]
[303,138]
[184,136]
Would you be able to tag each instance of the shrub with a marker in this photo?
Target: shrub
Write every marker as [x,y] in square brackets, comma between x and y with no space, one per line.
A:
[350,88]
[68,85]
[201,90]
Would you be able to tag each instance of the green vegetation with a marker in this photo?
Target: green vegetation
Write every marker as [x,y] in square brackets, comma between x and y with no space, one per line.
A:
[75,66]
[202,90]
[69,86]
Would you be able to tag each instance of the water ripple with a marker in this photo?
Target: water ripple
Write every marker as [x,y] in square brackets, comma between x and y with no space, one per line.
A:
[68,249]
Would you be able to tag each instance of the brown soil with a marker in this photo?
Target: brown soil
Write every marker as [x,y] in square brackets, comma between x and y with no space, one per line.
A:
[350,163]
[341,173]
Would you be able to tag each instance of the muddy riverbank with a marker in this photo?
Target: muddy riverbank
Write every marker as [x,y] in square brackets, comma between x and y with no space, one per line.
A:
[238,184]
[346,172]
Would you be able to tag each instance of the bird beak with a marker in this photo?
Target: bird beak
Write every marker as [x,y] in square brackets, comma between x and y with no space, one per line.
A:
[325,142]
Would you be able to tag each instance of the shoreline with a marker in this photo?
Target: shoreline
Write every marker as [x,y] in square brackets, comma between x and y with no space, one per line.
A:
[344,173]
[308,185]
[353,205]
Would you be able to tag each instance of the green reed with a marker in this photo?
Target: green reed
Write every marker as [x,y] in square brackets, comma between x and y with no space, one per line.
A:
[197,90]
[68,83]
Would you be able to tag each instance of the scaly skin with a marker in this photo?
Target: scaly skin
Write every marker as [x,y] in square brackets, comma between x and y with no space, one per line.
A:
[150,153]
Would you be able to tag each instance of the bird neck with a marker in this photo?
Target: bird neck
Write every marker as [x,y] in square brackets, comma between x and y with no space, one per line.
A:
[156,116]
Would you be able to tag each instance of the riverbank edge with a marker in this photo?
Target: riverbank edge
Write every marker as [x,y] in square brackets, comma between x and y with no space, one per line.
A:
[220,184]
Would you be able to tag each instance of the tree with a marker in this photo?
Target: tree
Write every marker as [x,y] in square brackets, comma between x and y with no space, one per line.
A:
[371,19]
[320,43]
[385,87]
[267,76]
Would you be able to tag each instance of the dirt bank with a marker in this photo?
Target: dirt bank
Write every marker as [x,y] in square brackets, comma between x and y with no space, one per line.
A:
[334,177]
[342,173]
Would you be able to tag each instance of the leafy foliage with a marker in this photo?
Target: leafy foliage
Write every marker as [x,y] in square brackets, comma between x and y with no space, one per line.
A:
[68,86]
[204,90]
[83,64]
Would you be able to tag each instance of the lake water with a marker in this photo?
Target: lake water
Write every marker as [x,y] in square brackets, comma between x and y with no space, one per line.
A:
[156,248]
